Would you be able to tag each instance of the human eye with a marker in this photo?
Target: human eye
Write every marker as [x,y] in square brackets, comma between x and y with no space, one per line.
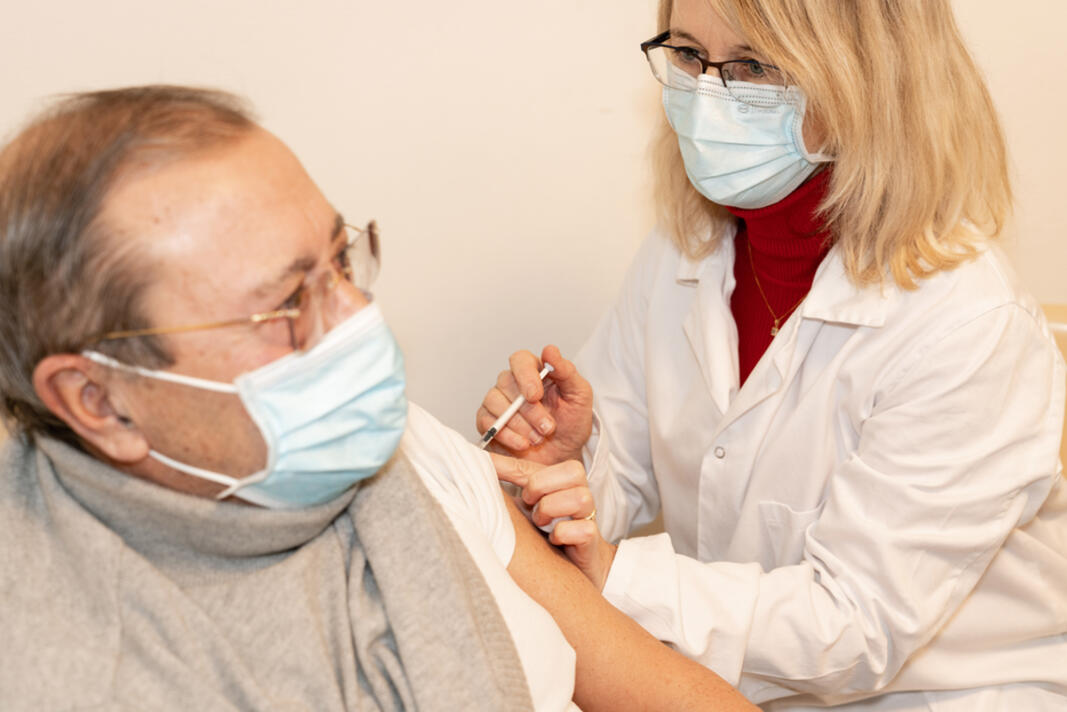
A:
[341,260]
[683,56]
[296,300]
[752,70]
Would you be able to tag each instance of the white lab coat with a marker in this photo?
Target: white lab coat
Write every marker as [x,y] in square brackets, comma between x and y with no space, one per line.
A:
[878,510]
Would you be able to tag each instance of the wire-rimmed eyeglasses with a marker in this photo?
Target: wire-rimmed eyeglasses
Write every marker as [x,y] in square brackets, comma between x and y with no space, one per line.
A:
[357,260]
[679,67]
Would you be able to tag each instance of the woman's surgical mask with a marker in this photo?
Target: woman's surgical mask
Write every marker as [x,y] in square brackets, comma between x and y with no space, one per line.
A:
[330,416]
[742,154]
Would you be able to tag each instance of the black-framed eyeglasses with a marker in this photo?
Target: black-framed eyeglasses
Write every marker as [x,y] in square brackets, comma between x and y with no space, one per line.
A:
[358,260]
[680,67]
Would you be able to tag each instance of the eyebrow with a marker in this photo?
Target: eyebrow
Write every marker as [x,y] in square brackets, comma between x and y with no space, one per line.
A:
[299,265]
[682,34]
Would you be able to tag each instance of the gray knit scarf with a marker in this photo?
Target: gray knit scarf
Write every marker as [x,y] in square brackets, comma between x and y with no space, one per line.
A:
[119,594]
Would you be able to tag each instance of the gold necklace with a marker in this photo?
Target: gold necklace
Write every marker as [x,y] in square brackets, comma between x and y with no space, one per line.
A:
[777,319]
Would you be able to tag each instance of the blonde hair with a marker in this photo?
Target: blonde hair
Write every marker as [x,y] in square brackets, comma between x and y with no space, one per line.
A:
[920,176]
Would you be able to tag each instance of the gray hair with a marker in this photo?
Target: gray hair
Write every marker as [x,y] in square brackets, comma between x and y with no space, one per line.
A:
[66,277]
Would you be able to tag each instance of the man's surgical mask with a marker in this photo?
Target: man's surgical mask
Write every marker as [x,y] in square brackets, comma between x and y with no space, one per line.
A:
[747,154]
[330,416]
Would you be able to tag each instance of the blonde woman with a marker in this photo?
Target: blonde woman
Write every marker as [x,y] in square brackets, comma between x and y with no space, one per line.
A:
[822,374]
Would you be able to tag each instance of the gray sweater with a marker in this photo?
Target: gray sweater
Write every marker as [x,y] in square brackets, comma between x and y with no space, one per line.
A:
[116,593]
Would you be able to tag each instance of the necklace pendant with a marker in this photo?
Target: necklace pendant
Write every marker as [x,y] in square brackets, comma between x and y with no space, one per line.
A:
[774,330]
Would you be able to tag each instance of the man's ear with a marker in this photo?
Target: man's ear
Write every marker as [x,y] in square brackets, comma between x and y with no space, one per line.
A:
[69,385]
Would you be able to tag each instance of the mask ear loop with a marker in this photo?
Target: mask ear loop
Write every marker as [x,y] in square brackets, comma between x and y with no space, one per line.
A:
[238,485]
[232,483]
[800,102]
[202,383]
[199,472]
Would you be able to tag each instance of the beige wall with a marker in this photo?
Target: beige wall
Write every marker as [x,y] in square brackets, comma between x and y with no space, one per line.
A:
[1057,316]
[1033,110]
[501,146]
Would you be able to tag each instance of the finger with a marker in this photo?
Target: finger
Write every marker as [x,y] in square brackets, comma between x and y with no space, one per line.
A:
[581,533]
[497,402]
[513,469]
[483,419]
[566,475]
[572,385]
[538,416]
[576,503]
[527,372]
[506,384]
[583,545]
[506,440]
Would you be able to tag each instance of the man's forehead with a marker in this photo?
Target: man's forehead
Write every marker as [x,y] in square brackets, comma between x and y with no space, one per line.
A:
[226,220]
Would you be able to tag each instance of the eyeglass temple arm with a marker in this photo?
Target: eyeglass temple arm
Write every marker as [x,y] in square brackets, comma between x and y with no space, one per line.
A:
[159,330]
[658,39]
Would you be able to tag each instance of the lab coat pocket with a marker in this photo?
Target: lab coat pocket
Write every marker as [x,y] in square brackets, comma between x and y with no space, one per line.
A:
[784,531]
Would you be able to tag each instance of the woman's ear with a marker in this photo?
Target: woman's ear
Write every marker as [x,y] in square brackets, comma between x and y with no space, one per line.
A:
[71,387]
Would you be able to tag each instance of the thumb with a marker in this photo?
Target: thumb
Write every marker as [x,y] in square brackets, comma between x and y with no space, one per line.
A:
[572,386]
[514,470]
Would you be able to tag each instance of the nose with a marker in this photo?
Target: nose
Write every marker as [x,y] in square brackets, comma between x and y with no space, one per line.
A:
[713,71]
[337,300]
[342,301]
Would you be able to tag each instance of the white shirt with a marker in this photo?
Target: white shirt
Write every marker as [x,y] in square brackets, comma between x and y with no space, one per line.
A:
[463,480]
[878,509]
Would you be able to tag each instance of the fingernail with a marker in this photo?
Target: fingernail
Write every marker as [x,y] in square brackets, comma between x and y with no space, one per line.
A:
[545,426]
[536,439]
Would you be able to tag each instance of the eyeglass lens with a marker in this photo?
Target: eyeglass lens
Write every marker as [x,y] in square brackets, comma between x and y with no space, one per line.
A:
[318,304]
[680,68]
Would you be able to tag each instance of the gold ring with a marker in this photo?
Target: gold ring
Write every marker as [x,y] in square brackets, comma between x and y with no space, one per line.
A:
[591,517]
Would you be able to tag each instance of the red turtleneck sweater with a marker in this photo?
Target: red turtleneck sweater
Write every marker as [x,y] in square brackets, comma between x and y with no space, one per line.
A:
[787,243]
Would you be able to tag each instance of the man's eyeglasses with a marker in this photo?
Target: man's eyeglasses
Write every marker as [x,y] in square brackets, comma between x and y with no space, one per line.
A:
[679,68]
[358,261]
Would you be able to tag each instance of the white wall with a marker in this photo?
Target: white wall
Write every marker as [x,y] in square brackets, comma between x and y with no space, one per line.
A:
[501,146]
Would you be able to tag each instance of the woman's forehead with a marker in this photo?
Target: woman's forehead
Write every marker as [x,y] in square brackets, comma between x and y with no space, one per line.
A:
[700,22]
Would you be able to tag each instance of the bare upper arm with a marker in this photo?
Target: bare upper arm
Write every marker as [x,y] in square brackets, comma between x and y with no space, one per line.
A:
[620,666]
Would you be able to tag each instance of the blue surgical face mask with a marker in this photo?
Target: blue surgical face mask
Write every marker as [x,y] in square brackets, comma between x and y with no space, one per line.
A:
[330,416]
[741,154]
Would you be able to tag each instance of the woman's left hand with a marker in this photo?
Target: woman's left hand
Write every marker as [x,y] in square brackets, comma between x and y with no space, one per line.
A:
[561,492]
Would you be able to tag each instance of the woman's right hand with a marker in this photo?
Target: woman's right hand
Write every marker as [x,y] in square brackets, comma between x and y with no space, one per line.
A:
[557,418]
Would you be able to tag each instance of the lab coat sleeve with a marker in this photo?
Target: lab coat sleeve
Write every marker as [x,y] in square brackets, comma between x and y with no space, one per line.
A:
[617,455]
[959,448]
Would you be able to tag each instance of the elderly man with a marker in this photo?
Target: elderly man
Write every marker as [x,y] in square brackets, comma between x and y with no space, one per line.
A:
[204,506]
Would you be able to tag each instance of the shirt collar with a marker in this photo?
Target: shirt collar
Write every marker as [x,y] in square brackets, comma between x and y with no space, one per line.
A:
[690,271]
[834,297]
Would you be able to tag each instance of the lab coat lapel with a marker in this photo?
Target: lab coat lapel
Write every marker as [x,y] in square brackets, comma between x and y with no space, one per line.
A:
[709,325]
[771,373]
[833,298]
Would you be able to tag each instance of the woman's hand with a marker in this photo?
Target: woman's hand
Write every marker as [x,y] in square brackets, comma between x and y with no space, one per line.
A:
[557,418]
[561,493]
